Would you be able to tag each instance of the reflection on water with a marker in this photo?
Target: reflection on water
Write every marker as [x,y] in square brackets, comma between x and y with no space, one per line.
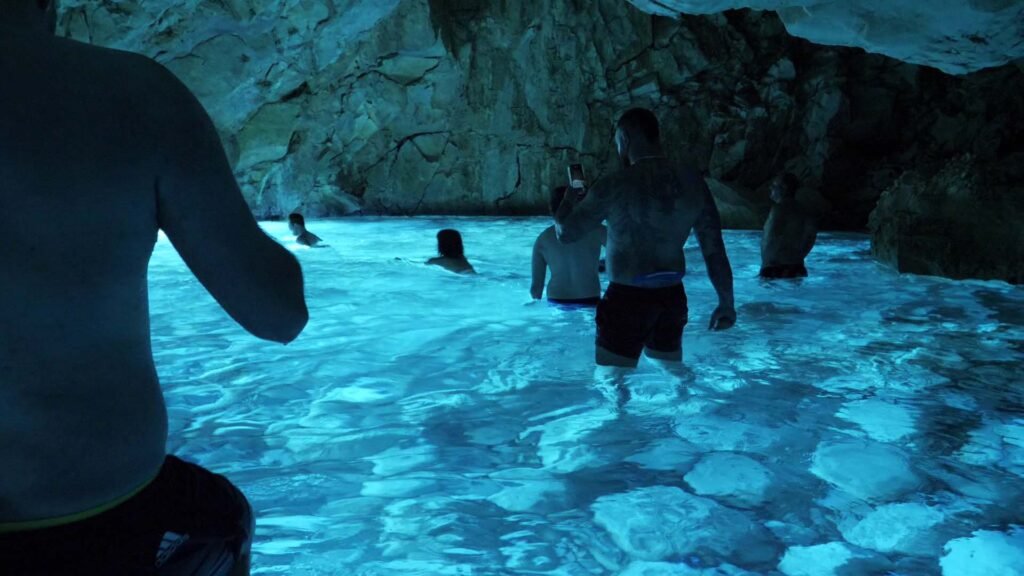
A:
[427,423]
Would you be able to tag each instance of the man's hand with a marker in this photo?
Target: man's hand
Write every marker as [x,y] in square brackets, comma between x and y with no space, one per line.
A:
[536,293]
[722,318]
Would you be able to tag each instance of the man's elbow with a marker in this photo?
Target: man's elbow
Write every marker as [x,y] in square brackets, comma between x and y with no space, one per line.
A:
[283,314]
[284,325]
[293,325]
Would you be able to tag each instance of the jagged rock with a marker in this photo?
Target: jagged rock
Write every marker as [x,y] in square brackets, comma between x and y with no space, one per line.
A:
[642,568]
[881,420]
[956,223]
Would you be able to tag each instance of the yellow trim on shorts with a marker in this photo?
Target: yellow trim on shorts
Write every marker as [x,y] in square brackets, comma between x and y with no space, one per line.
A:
[8,527]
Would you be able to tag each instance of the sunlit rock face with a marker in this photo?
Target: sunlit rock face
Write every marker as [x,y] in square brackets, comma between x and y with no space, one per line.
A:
[955,36]
[476,107]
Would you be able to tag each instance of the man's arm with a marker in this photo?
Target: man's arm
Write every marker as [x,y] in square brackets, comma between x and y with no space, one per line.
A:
[539,270]
[576,217]
[200,207]
[708,228]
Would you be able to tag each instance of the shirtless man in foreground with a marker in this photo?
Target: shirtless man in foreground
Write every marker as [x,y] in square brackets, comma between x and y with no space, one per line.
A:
[575,280]
[100,149]
[651,206]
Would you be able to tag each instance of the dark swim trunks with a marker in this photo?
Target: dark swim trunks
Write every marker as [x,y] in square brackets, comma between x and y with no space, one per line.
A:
[186,521]
[786,271]
[574,304]
[631,318]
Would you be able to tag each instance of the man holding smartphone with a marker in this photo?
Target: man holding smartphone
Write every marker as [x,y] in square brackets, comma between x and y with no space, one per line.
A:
[650,207]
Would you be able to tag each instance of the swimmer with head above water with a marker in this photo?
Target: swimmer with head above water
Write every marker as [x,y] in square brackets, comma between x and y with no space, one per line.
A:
[297,226]
[104,148]
[451,255]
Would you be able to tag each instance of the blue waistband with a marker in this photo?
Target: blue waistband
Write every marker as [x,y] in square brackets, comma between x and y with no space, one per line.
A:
[658,278]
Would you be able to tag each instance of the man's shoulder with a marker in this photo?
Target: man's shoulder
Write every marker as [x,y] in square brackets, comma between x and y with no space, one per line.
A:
[134,73]
[546,236]
[125,62]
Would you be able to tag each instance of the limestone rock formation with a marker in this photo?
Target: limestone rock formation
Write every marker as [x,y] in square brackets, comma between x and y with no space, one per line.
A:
[476,107]
[959,222]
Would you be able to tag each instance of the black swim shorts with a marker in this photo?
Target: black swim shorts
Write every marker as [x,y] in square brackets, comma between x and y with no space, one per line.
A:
[575,303]
[631,318]
[186,521]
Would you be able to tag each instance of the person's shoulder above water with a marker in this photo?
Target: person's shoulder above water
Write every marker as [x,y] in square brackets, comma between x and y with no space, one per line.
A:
[547,236]
[456,265]
[308,239]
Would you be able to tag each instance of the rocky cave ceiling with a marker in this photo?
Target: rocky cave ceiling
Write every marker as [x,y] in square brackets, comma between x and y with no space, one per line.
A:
[955,36]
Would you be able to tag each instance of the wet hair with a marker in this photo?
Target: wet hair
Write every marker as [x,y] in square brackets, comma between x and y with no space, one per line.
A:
[449,243]
[556,197]
[296,218]
[790,183]
[640,121]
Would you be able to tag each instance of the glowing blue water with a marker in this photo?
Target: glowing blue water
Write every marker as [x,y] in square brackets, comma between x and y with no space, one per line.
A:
[427,423]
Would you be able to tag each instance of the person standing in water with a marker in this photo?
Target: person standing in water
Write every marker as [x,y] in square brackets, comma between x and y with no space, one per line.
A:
[451,255]
[575,281]
[789,233]
[102,149]
[297,226]
[651,206]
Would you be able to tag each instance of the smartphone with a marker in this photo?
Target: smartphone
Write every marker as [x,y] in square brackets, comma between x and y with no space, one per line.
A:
[577,180]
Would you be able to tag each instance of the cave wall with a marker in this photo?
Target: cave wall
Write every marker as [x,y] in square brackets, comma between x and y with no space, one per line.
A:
[470,106]
[476,106]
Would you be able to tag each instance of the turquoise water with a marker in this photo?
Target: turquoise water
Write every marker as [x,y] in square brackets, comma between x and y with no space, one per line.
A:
[428,423]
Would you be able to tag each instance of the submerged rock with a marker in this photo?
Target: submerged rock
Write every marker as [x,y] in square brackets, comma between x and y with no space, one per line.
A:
[734,478]
[831,559]
[985,553]
[661,522]
[866,470]
[642,568]
[902,528]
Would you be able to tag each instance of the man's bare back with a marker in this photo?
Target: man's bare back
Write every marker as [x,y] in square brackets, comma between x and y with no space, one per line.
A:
[574,267]
[650,207]
[98,150]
